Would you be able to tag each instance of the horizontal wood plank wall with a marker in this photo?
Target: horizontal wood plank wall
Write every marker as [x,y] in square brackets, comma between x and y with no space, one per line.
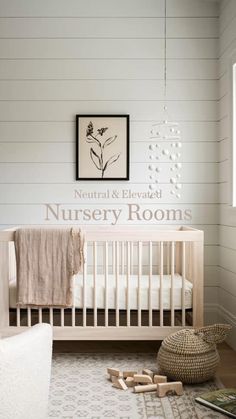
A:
[61,58]
[227,228]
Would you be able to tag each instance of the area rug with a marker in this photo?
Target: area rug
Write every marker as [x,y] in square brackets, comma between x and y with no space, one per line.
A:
[80,389]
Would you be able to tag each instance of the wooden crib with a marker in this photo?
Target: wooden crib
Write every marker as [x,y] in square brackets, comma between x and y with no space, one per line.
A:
[136,284]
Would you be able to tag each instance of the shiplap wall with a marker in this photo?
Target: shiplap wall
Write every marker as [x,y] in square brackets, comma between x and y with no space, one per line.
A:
[227,228]
[64,57]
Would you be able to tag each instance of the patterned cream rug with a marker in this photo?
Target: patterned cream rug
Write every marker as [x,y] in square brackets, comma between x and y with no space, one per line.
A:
[80,389]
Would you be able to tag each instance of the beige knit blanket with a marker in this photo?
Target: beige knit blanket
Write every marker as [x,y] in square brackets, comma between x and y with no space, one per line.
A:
[46,260]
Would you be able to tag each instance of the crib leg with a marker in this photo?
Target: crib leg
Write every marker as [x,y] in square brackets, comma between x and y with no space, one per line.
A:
[4,284]
[197,267]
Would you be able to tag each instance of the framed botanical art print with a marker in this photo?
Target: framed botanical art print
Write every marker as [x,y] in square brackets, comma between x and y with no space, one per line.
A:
[102,147]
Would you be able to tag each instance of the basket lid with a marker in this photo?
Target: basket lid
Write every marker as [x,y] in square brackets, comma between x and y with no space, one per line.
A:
[195,341]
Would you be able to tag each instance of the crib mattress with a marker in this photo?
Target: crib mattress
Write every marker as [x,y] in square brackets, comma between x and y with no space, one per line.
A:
[144,292]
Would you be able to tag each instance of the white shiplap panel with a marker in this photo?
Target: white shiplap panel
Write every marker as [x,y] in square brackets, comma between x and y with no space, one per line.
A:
[37,131]
[211,235]
[64,152]
[227,216]
[88,69]
[211,276]
[211,257]
[199,8]
[192,28]
[65,172]
[108,90]
[84,28]
[229,280]
[82,48]
[192,90]
[225,150]
[37,214]
[226,16]
[108,48]
[192,48]
[227,237]
[223,106]
[65,131]
[224,128]
[139,111]
[83,90]
[222,5]
[211,295]
[224,171]
[228,35]
[81,8]
[205,69]
[225,57]
[107,69]
[224,85]
[227,300]
[60,193]
[225,193]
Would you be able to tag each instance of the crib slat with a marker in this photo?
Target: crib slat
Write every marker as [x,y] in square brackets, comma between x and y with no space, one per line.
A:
[95,282]
[168,258]
[128,283]
[62,317]
[113,257]
[122,258]
[84,284]
[73,307]
[131,257]
[140,248]
[183,284]
[51,316]
[172,283]
[117,284]
[161,284]
[106,283]
[29,317]
[150,284]
[40,315]
[18,317]
[73,315]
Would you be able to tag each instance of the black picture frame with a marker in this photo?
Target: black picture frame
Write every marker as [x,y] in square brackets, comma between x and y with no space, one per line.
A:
[105,152]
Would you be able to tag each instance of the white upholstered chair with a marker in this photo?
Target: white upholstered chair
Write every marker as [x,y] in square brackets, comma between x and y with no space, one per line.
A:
[25,370]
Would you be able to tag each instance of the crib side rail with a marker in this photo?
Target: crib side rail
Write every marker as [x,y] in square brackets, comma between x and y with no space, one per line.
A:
[108,234]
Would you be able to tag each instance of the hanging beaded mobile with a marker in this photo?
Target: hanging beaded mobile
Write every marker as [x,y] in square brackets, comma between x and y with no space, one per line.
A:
[166,147]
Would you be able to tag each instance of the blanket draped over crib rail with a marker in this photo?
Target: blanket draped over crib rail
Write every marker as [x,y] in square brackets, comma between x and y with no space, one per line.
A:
[46,260]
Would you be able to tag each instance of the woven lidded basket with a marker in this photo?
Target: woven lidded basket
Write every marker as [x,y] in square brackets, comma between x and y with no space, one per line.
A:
[190,355]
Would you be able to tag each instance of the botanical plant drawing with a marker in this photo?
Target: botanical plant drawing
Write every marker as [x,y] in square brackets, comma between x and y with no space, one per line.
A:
[98,158]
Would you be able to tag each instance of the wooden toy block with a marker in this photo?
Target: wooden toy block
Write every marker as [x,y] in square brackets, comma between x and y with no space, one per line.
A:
[129,373]
[146,371]
[119,383]
[114,371]
[164,388]
[113,378]
[159,379]
[144,388]
[142,378]
[130,382]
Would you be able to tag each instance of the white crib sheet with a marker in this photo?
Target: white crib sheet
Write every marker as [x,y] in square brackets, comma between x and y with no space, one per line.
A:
[100,281]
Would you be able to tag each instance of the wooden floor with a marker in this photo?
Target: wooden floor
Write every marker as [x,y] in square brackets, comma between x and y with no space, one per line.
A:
[226,371]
